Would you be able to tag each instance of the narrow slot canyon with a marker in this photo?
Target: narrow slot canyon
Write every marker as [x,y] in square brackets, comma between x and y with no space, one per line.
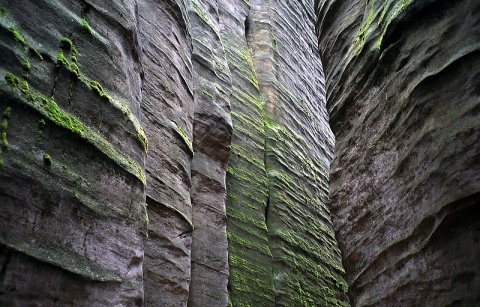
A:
[239,153]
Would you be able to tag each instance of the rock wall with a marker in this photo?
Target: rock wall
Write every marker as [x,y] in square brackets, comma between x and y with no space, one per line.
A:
[298,150]
[211,143]
[164,153]
[72,179]
[167,117]
[402,81]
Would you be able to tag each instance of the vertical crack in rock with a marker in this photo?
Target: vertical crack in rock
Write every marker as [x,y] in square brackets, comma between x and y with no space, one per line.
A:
[299,147]
[293,153]
[250,280]
[252,24]
[403,98]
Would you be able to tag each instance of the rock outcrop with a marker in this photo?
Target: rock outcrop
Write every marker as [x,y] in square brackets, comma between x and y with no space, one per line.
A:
[167,117]
[402,81]
[226,201]
[72,179]
[298,150]
[177,152]
[212,133]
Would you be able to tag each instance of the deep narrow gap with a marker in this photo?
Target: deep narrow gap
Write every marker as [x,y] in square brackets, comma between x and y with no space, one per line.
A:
[267,205]
[5,255]
[247,28]
[86,8]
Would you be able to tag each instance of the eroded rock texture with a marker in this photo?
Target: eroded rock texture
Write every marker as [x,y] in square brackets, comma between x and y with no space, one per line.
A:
[72,155]
[298,150]
[279,228]
[225,202]
[403,97]
[167,109]
[212,132]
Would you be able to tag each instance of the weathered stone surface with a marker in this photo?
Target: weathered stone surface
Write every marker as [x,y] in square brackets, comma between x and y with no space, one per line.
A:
[167,109]
[402,88]
[212,132]
[280,234]
[307,266]
[72,178]
[80,82]
[251,280]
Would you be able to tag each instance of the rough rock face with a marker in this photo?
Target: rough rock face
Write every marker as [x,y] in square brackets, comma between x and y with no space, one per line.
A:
[298,150]
[111,219]
[251,279]
[72,155]
[212,132]
[403,96]
[167,116]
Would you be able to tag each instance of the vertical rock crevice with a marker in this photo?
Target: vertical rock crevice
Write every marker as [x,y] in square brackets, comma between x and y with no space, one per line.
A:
[229,95]
[250,278]
[295,151]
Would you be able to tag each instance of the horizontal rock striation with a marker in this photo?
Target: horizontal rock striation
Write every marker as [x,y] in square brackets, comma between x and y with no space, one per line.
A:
[402,92]
[167,113]
[164,153]
[212,132]
[298,150]
[250,278]
[72,178]
[281,243]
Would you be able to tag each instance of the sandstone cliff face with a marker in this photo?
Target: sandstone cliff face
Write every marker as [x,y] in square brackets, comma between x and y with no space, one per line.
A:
[211,143]
[298,150]
[167,117]
[72,181]
[403,97]
[111,219]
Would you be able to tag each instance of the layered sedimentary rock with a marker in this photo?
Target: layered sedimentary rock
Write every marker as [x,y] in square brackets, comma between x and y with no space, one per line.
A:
[167,116]
[212,132]
[403,96]
[72,173]
[278,169]
[225,202]
[298,150]
[251,279]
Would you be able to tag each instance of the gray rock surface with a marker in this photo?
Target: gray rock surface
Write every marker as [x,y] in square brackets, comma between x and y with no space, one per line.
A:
[167,109]
[298,150]
[212,132]
[72,178]
[280,235]
[402,92]
[251,279]
[225,202]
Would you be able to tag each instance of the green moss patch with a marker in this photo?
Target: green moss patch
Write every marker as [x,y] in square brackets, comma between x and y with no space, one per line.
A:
[86,25]
[47,159]
[18,36]
[49,108]
[184,136]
